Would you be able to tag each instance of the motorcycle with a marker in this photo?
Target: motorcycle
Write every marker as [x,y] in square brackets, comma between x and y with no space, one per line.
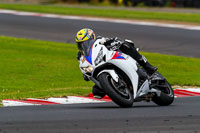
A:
[121,77]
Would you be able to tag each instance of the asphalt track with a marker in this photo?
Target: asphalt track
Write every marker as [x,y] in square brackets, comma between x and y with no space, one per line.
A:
[147,38]
[183,116]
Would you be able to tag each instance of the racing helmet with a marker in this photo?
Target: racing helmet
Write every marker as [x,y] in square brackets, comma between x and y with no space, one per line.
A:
[84,35]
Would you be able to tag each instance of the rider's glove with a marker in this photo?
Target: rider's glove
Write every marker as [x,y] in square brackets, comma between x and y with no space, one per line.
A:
[86,78]
[115,44]
[111,44]
[103,40]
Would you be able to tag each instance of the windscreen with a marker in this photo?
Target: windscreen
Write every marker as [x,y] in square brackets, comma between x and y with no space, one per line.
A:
[85,46]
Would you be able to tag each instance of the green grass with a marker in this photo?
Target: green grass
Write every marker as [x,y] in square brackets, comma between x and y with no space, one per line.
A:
[39,69]
[31,68]
[105,12]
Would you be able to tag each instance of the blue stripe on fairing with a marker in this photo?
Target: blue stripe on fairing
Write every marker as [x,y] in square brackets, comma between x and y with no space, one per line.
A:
[119,56]
[89,58]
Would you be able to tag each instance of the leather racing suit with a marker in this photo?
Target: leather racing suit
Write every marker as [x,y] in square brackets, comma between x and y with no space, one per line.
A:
[127,47]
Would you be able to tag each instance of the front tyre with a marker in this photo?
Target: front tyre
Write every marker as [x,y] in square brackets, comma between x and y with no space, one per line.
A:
[120,92]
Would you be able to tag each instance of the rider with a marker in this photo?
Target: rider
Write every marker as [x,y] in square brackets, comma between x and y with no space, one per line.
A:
[126,47]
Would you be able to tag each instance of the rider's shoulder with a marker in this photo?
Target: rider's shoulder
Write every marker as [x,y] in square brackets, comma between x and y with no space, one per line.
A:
[99,37]
[128,41]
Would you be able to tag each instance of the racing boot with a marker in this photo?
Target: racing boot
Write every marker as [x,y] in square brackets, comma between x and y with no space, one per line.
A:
[147,66]
[97,92]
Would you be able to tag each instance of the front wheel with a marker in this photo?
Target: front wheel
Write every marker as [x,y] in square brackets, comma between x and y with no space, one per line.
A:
[120,92]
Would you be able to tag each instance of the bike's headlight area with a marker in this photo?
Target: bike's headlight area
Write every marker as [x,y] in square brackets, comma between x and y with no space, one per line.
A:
[88,69]
[99,58]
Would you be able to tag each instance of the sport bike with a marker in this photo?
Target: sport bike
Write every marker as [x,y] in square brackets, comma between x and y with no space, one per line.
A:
[121,77]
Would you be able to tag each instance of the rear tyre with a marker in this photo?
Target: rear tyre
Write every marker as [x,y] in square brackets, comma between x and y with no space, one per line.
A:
[121,93]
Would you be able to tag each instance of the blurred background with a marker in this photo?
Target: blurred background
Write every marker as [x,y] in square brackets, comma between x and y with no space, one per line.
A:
[38,55]
[131,3]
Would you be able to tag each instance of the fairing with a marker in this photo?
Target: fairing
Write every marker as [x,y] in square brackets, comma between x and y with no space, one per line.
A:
[122,61]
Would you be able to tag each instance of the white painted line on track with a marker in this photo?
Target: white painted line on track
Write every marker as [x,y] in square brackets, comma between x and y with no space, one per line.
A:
[157,24]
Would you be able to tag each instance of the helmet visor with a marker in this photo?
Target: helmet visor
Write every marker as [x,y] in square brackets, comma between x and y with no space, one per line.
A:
[80,47]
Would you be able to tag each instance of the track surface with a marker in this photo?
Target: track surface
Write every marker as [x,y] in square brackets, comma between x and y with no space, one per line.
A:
[182,116]
[148,38]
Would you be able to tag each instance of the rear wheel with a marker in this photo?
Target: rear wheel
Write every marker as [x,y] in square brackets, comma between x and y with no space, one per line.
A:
[120,92]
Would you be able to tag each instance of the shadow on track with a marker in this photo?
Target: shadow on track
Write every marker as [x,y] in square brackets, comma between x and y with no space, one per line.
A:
[110,106]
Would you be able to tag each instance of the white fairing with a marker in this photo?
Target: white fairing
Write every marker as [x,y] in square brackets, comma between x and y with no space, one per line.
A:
[129,67]
[122,61]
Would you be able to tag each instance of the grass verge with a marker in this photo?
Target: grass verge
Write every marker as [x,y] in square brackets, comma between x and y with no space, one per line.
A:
[31,68]
[105,12]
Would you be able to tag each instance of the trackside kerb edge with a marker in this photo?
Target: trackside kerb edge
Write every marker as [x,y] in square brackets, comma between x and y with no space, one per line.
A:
[79,99]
